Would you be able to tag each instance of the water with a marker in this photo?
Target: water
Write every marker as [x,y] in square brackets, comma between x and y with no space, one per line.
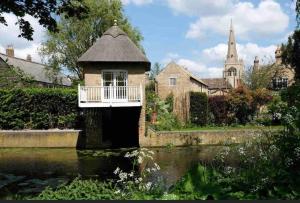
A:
[29,171]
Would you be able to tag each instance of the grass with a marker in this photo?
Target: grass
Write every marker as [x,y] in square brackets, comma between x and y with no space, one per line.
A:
[228,128]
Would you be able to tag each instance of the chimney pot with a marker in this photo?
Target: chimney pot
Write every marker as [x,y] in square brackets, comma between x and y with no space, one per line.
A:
[28,58]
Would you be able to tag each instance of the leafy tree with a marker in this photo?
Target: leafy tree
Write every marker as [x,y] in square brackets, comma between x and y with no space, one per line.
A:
[291,53]
[155,70]
[45,11]
[63,48]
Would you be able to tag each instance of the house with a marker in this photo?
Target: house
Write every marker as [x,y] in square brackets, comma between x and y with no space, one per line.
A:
[234,70]
[282,76]
[217,86]
[39,73]
[178,81]
[113,96]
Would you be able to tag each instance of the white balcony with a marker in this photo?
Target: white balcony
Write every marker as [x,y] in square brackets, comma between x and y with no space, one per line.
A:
[110,96]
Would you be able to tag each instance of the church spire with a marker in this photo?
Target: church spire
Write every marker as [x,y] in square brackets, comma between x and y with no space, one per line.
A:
[232,56]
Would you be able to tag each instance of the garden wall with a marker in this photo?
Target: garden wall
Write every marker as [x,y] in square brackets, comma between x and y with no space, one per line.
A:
[39,138]
[191,138]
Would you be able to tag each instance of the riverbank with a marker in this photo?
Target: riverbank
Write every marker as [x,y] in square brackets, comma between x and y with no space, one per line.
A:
[205,136]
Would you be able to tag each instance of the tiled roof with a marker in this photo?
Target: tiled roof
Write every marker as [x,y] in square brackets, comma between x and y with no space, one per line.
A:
[36,70]
[217,83]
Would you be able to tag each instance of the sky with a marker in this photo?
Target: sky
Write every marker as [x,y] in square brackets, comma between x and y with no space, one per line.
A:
[193,33]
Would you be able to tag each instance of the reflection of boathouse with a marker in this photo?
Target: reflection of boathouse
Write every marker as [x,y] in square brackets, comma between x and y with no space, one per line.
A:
[113,97]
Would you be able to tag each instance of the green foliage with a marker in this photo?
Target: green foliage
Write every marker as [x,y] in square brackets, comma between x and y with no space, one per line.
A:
[44,11]
[80,190]
[219,108]
[38,108]
[155,70]
[261,78]
[75,37]
[277,108]
[170,102]
[291,52]
[198,108]
[12,76]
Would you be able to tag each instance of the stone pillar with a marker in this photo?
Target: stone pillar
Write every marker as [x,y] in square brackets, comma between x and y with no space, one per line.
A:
[93,128]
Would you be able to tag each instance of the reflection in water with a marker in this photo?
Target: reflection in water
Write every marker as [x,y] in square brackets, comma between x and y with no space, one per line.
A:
[28,171]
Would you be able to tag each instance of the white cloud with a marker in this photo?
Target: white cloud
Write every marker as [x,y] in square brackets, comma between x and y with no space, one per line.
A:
[267,19]
[200,7]
[9,35]
[211,62]
[137,2]
[247,52]
[195,67]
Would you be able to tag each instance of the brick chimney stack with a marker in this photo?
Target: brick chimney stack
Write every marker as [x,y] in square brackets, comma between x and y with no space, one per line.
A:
[28,58]
[10,51]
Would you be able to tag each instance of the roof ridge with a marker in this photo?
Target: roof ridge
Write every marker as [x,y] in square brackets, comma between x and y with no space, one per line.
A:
[23,59]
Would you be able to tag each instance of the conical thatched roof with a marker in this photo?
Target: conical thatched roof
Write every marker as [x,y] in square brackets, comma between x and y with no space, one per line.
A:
[114,46]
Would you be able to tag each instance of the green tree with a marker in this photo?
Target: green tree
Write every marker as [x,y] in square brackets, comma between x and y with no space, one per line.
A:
[45,11]
[291,53]
[63,48]
[155,70]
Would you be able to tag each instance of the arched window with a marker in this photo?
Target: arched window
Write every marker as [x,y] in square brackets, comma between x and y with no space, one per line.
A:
[232,72]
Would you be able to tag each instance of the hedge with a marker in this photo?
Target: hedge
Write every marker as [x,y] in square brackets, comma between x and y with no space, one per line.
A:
[39,108]
[219,108]
[198,108]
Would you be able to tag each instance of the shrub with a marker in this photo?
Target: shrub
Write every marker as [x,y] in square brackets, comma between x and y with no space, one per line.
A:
[218,107]
[38,108]
[198,108]
[170,102]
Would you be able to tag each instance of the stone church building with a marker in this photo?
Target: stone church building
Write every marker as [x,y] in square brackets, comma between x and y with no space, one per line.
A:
[234,70]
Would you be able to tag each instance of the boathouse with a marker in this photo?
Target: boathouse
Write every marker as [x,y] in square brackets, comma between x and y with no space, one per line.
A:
[113,95]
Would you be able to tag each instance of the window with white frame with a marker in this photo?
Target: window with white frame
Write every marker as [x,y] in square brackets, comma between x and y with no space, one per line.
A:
[172,81]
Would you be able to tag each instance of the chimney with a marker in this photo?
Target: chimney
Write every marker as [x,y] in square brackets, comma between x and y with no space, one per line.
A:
[10,51]
[256,64]
[278,55]
[28,58]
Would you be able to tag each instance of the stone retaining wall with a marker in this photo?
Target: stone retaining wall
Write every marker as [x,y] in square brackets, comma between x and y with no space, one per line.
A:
[190,138]
[39,138]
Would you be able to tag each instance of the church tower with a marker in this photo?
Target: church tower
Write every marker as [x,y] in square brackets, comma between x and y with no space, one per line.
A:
[234,67]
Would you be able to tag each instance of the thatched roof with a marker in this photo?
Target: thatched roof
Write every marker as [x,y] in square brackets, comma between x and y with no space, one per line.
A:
[114,46]
[217,83]
[38,71]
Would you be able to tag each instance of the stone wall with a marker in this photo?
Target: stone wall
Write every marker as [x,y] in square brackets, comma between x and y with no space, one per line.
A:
[191,138]
[39,138]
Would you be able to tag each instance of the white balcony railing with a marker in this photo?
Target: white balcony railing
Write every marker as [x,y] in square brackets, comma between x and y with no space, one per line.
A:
[110,96]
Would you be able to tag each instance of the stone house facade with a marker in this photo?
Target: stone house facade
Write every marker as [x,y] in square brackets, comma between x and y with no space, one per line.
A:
[179,82]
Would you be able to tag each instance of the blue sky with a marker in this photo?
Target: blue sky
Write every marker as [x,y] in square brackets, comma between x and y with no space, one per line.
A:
[193,33]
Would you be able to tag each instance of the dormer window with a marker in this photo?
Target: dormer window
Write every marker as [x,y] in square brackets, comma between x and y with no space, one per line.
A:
[172,81]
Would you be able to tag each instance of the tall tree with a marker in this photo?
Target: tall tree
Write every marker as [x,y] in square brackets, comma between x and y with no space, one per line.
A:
[155,70]
[45,11]
[291,53]
[291,50]
[63,48]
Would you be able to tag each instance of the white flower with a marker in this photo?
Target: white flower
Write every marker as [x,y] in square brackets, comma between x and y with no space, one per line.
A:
[157,166]
[148,186]
[117,170]
[148,170]
[117,192]
[131,174]
[140,159]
